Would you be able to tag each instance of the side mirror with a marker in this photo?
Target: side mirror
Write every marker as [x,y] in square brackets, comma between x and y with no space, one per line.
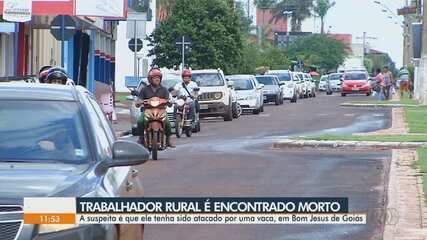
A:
[281,83]
[125,153]
[196,89]
[230,84]
[170,89]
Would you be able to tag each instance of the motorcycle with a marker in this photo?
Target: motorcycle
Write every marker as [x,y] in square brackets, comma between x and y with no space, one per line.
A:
[182,121]
[155,117]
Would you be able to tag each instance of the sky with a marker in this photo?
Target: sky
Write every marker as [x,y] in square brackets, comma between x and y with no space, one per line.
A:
[358,16]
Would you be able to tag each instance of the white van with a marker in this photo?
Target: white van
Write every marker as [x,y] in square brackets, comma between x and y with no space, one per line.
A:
[215,95]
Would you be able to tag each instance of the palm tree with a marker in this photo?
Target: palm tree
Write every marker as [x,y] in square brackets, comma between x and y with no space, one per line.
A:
[321,9]
[301,9]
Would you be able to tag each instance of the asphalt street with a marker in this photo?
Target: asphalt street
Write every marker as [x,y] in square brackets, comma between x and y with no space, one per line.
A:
[237,159]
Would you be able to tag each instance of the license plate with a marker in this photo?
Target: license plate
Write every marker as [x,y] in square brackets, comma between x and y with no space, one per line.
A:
[204,106]
[265,97]
[355,89]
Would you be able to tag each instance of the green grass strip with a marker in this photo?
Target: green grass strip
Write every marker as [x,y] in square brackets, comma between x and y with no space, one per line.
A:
[375,138]
[416,118]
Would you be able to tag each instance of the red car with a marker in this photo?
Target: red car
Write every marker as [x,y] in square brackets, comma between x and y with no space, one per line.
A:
[355,83]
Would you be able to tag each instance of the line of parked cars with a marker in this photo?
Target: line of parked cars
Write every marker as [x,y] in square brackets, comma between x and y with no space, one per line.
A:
[229,96]
[347,82]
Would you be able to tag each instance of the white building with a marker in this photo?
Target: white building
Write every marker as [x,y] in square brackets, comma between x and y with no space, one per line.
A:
[125,57]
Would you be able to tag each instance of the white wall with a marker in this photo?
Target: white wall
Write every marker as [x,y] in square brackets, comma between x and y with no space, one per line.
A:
[125,57]
[312,24]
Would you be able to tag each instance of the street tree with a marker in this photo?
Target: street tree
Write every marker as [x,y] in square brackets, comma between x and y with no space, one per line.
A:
[214,28]
[265,57]
[321,9]
[301,9]
[244,19]
[322,51]
[379,60]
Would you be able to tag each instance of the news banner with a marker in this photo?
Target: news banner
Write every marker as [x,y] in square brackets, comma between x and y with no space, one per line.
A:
[215,210]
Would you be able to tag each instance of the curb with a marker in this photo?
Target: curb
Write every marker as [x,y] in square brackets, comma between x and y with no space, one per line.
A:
[378,105]
[289,143]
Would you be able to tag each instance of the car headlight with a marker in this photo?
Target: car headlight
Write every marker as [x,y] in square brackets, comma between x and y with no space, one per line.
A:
[50,228]
[218,95]
[180,102]
[251,97]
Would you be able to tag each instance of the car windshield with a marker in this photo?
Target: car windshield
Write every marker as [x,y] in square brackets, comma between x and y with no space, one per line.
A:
[170,82]
[266,80]
[41,131]
[208,79]
[355,76]
[335,77]
[283,76]
[242,84]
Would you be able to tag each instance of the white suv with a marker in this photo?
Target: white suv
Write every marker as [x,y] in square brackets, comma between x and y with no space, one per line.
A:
[305,85]
[215,95]
[311,85]
[289,86]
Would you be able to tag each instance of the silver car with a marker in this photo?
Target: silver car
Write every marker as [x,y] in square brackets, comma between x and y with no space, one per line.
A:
[272,88]
[68,149]
[249,93]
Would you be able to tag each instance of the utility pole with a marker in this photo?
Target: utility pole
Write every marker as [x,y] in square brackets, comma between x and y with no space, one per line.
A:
[249,7]
[364,38]
[424,55]
[184,43]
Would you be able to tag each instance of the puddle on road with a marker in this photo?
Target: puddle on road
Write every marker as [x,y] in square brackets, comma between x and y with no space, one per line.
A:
[365,123]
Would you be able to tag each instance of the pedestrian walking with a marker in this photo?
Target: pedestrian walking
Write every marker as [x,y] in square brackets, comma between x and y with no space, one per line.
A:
[378,85]
[388,83]
[404,82]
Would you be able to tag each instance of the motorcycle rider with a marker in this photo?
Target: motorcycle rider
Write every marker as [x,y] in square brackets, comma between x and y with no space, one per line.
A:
[43,73]
[154,89]
[57,75]
[187,88]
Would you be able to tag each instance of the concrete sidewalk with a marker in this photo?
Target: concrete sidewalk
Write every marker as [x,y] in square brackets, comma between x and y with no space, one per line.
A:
[406,212]
[122,126]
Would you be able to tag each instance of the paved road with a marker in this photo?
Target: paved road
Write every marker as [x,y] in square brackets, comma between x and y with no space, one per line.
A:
[236,159]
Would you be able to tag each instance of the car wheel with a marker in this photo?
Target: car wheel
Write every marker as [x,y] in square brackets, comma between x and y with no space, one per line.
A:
[256,111]
[235,113]
[262,108]
[229,115]
[329,93]
[294,99]
[314,94]
[277,102]
[196,127]
[343,94]
[239,110]
[368,94]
